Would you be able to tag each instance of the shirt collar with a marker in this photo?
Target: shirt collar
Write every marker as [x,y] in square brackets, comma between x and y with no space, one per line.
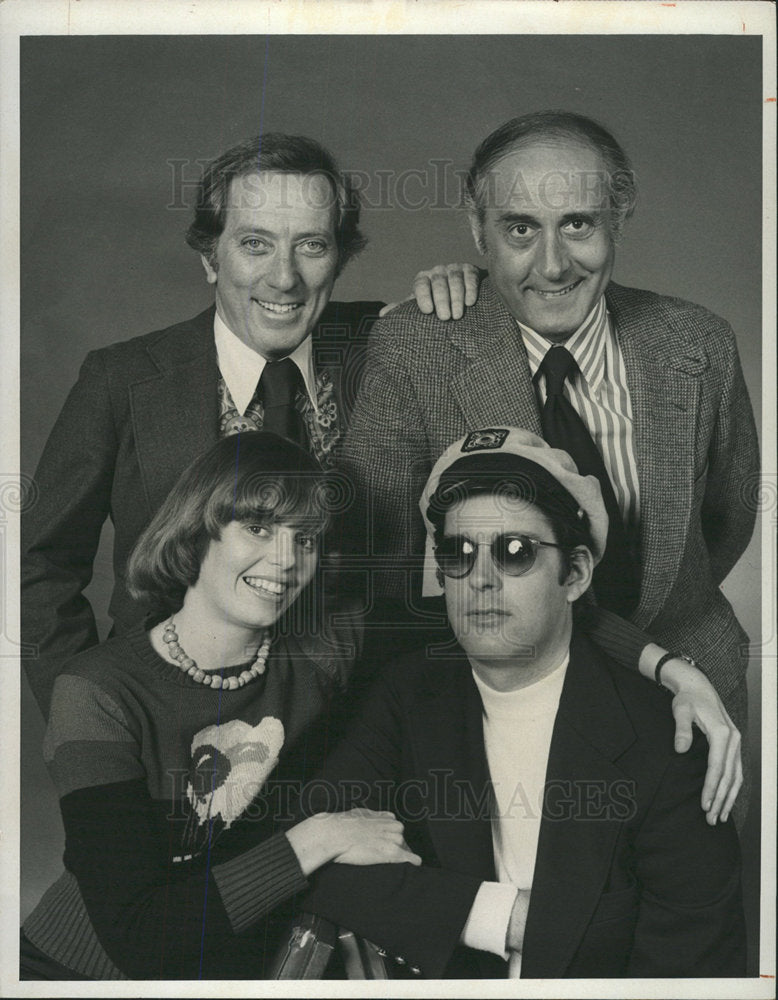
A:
[588,345]
[241,367]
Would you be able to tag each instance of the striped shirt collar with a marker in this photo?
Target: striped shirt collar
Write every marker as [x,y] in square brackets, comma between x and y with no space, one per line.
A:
[588,345]
[241,367]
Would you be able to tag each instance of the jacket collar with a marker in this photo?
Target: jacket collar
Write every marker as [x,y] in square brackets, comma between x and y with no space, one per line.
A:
[183,343]
[580,824]
[665,372]
[495,389]
[175,410]
[449,734]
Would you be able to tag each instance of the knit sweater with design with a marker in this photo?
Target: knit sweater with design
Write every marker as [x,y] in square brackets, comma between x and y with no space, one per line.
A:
[174,796]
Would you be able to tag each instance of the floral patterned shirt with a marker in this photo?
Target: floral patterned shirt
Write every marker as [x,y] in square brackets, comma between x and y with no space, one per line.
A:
[322,423]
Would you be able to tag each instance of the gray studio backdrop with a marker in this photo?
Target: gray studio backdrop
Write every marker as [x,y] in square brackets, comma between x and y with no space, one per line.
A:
[113,128]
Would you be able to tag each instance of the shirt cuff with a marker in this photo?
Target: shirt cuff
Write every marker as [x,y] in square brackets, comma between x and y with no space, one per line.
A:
[487,926]
[254,883]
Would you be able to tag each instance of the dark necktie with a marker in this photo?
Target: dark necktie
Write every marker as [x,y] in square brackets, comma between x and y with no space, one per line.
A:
[278,387]
[615,578]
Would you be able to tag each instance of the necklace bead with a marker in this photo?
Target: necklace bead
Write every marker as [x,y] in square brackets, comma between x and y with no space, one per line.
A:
[189,666]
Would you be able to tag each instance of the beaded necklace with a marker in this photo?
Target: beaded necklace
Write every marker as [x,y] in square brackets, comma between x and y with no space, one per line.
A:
[211,678]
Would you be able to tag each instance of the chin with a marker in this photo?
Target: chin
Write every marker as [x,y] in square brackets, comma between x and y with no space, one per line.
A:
[488,651]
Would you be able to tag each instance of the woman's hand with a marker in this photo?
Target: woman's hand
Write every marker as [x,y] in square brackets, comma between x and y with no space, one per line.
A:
[373,838]
[445,290]
[696,701]
[356,837]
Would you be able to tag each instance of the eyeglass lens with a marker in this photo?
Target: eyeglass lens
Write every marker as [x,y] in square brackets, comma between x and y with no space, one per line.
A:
[513,554]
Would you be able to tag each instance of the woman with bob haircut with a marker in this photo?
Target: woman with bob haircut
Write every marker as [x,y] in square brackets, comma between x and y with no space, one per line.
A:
[161,741]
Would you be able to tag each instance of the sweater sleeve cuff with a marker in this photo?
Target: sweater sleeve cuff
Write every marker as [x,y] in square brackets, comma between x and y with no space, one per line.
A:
[621,640]
[490,915]
[255,882]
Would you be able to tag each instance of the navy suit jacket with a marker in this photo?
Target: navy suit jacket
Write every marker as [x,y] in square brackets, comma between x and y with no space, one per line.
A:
[141,411]
[629,878]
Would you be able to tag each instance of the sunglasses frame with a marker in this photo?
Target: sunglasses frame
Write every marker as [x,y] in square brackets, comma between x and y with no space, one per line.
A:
[532,543]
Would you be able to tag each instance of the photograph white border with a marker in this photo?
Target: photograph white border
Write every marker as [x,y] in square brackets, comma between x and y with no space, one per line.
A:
[120,17]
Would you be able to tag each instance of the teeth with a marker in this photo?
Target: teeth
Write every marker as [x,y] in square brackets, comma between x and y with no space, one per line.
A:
[264,586]
[276,307]
[554,295]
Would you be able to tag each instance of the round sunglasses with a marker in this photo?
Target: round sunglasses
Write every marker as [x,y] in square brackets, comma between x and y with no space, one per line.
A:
[513,554]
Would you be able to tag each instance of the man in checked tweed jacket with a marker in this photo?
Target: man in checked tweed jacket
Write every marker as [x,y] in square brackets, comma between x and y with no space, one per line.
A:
[659,385]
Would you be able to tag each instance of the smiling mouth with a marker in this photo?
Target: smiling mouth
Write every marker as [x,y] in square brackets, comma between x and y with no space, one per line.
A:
[557,294]
[280,308]
[488,613]
[266,588]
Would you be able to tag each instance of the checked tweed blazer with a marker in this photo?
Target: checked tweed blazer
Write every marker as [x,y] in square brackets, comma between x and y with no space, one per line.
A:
[141,411]
[428,383]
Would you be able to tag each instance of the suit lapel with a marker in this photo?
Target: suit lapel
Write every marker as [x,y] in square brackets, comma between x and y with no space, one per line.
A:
[664,376]
[339,344]
[448,736]
[496,388]
[575,846]
[175,412]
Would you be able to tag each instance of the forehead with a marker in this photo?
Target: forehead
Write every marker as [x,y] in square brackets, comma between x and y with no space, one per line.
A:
[279,202]
[489,514]
[549,176]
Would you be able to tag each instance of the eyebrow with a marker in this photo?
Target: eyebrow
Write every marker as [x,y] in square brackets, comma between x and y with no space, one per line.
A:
[259,231]
[519,217]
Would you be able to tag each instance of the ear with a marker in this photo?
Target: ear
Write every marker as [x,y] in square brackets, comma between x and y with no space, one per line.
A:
[477,229]
[210,267]
[581,569]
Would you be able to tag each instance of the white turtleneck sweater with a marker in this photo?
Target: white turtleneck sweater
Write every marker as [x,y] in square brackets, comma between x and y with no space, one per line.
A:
[517,736]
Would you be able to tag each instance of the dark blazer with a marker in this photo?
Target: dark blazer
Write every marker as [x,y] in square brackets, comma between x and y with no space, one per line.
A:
[140,412]
[428,383]
[629,878]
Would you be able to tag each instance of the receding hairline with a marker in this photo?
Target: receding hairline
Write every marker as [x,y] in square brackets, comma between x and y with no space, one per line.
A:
[557,140]
[560,141]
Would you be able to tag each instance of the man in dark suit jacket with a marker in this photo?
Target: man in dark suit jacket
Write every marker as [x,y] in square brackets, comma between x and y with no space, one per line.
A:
[559,834]
[276,222]
[656,382]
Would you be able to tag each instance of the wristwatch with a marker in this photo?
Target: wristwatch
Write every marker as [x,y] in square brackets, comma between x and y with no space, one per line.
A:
[673,656]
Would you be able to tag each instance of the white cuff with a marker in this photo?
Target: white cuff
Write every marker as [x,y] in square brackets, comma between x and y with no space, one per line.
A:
[490,915]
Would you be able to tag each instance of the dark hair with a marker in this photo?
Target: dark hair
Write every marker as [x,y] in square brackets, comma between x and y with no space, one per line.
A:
[290,154]
[513,477]
[245,476]
[555,125]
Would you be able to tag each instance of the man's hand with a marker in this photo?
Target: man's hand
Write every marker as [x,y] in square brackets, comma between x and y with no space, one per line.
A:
[445,289]
[696,701]
[514,938]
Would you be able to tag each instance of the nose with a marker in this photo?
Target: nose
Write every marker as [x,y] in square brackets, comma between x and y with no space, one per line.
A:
[283,553]
[283,274]
[553,259]
[484,575]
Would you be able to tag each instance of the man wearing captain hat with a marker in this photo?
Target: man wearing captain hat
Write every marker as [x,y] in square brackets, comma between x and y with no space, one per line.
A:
[560,835]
